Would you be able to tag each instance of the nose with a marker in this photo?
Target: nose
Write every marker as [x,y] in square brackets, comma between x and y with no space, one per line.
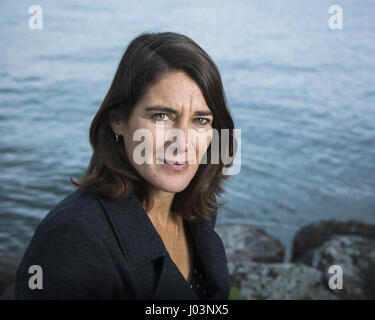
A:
[179,133]
[179,137]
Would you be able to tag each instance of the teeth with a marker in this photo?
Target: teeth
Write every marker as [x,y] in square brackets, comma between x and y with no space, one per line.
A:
[175,162]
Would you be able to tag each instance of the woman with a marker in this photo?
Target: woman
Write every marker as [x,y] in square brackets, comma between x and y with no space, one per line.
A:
[141,224]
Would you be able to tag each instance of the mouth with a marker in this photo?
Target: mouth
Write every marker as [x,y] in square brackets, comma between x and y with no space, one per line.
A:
[172,162]
[174,165]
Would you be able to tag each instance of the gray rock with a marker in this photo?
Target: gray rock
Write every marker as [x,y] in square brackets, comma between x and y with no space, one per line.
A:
[8,268]
[245,242]
[279,281]
[356,257]
[8,293]
[313,235]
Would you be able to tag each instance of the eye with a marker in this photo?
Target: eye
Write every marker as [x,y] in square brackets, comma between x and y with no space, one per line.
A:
[157,117]
[203,121]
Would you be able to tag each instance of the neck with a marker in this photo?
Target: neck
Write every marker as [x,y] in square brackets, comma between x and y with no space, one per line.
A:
[161,211]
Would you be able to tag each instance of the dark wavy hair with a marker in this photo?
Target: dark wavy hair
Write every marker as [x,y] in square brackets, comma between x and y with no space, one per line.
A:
[147,58]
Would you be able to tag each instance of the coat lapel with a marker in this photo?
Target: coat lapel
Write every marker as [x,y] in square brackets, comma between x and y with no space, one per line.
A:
[141,244]
[212,254]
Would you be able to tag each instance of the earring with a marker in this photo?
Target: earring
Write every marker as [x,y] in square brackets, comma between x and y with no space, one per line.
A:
[116,136]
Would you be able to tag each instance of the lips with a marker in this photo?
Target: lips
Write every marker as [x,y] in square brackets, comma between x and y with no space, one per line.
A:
[175,162]
[175,166]
[172,162]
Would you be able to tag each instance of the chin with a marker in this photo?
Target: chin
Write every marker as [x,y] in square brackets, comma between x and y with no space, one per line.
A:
[172,190]
[172,186]
[168,182]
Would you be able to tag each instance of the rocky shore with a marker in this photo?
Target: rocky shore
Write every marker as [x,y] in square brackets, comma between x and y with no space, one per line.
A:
[255,261]
[8,268]
[258,271]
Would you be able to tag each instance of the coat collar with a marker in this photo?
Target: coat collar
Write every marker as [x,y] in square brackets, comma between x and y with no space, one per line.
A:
[145,245]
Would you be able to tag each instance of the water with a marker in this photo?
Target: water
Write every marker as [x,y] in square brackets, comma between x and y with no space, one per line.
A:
[302,94]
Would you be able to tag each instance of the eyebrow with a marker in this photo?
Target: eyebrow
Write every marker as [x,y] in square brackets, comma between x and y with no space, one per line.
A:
[173,111]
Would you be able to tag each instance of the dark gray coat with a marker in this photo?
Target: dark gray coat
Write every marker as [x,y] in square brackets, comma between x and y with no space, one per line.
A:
[90,248]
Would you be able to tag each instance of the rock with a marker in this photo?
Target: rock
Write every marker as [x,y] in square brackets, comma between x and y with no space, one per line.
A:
[244,242]
[313,235]
[356,257]
[8,293]
[281,281]
[8,268]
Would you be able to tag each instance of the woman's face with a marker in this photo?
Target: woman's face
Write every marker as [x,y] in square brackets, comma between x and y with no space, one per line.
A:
[188,113]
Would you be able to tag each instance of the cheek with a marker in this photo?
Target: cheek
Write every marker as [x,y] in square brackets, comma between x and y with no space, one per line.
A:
[158,141]
[144,140]
[129,147]
[202,145]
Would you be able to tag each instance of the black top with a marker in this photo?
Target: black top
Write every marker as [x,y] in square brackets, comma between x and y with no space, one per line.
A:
[198,278]
[92,248]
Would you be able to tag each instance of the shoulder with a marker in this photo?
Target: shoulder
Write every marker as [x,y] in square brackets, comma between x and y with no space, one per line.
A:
[79,215]
[68,245]
[77,206]
[76,221]
[80,211]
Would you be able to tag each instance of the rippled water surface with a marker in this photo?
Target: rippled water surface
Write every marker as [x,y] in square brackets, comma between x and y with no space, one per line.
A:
[302,94]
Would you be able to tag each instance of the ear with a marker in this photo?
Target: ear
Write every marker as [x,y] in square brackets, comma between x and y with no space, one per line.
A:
[115,125]
[114,120]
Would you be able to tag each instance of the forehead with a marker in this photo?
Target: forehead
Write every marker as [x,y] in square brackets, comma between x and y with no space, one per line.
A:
[178,91]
